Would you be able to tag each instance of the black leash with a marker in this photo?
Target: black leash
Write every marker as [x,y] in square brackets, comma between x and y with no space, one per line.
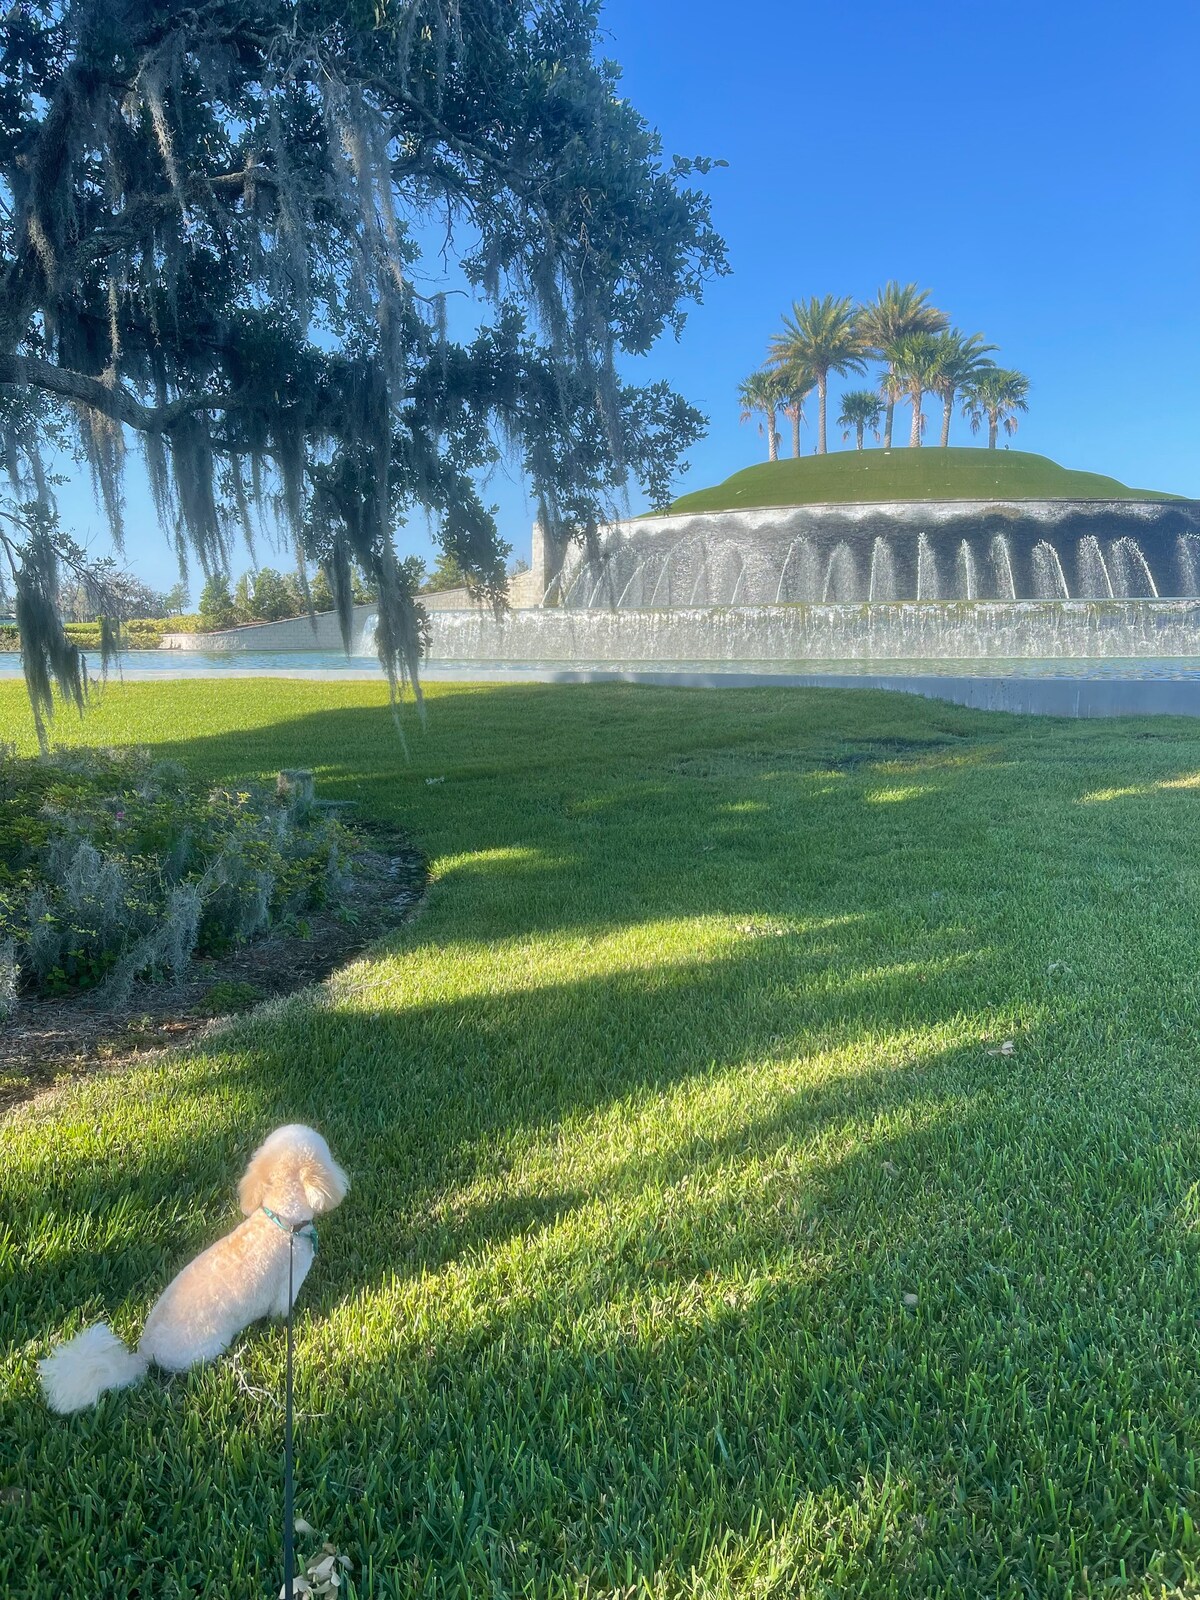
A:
[289,1460]
[289,1456]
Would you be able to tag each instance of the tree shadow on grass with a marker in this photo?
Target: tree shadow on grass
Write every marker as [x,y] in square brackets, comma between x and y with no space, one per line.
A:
[661,1376]
[418,1096]
[522,1375]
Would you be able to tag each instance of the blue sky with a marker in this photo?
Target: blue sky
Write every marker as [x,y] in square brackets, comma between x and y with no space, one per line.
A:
[1037,166]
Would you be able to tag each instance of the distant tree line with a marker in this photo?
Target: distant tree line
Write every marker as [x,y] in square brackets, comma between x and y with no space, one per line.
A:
[266,595]
[917,351]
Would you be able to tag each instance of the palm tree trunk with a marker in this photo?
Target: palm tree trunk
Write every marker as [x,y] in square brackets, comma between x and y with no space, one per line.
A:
[860,426]
[796,433]
[890,413]
[822,384]
[772,437]
[947,408]
[914,440]
[993,428]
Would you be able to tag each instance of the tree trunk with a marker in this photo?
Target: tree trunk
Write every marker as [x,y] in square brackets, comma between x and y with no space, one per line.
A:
[822,384]
[772,437]
[796,433]
[993,428]
[889,413]
[914,441]
[947,408]
[860,426]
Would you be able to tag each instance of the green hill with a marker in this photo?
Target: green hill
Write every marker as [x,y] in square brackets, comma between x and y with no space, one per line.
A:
[926,474]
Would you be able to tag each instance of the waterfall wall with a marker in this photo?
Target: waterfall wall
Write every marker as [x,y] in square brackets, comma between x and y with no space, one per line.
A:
[930,550]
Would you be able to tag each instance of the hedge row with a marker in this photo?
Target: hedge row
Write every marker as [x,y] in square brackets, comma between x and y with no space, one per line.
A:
[144,633]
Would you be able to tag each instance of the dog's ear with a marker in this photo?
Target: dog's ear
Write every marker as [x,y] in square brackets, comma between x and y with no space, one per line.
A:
[324,1184]
[253,1187]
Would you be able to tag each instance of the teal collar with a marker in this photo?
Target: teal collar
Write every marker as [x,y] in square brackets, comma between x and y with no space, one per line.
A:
[306,1230]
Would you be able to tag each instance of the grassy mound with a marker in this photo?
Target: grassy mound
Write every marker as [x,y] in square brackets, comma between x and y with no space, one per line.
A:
[707,1235]
[926,474]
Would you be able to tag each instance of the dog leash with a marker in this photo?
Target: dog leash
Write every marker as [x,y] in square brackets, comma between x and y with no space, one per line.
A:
[308,1231]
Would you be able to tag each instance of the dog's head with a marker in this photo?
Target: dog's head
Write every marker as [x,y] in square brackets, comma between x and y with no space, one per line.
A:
[293,1172]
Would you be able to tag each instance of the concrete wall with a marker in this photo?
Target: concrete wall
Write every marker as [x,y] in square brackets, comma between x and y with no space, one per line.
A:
[296,633]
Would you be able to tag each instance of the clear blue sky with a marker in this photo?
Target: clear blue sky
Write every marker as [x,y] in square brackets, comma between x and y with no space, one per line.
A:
[1037,166]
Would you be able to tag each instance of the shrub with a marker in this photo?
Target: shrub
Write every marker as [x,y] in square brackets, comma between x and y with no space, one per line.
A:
[114,868]
[142,633]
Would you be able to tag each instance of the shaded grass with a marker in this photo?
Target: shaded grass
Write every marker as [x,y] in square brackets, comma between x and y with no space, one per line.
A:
[680,1085]
[956,473]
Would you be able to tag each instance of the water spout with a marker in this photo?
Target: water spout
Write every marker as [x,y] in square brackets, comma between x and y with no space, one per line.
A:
[1049,579]
[1187,548]
[841,576]
[882,582]
[666,567]
[1093,568]
[1129,561]
[366,642]
[968,582]
[1006,584]
[636,573]
[928,587]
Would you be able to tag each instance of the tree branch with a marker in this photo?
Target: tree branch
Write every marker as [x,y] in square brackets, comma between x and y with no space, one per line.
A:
[110,399]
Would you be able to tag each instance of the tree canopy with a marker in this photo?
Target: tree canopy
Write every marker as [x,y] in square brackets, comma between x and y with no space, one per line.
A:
[221,227]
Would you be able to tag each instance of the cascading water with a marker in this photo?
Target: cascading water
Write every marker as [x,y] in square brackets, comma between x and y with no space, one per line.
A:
[366,640]
[928,584]
[882,583]
[1187,548]
[968,581]
[841,576]
[1006,583]
[1050,581]
[1094,576]
[799,577]
[1134,576]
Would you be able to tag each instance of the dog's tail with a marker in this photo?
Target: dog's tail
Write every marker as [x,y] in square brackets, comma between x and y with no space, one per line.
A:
[77,1373]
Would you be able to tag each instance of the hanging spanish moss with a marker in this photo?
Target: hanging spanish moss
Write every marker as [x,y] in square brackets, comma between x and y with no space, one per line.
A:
[226,231]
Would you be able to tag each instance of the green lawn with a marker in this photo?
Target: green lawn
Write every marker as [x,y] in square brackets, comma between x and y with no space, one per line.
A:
[684,1081]
[902,474]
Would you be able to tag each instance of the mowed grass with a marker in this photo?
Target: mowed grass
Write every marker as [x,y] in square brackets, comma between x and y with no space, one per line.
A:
[701,1241]
[902,474]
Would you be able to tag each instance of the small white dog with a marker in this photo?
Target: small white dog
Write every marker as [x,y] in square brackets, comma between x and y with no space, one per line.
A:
[291,1179]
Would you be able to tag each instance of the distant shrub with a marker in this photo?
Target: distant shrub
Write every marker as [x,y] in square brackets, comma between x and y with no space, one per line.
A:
[114,867]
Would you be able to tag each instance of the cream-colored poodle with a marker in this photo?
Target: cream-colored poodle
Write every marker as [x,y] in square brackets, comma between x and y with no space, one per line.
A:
[291,1179]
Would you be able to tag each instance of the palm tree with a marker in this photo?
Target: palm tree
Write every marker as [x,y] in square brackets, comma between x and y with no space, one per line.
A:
[915,369]
[961,357]
[861,409]
[896,311]
[799,388]
[995,394]
[760,392]
[820,337]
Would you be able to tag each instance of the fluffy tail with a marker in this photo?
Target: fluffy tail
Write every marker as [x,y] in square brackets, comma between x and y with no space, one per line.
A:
[76,1374]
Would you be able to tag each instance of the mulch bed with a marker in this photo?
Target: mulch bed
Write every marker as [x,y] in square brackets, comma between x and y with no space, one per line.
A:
[49,1040]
